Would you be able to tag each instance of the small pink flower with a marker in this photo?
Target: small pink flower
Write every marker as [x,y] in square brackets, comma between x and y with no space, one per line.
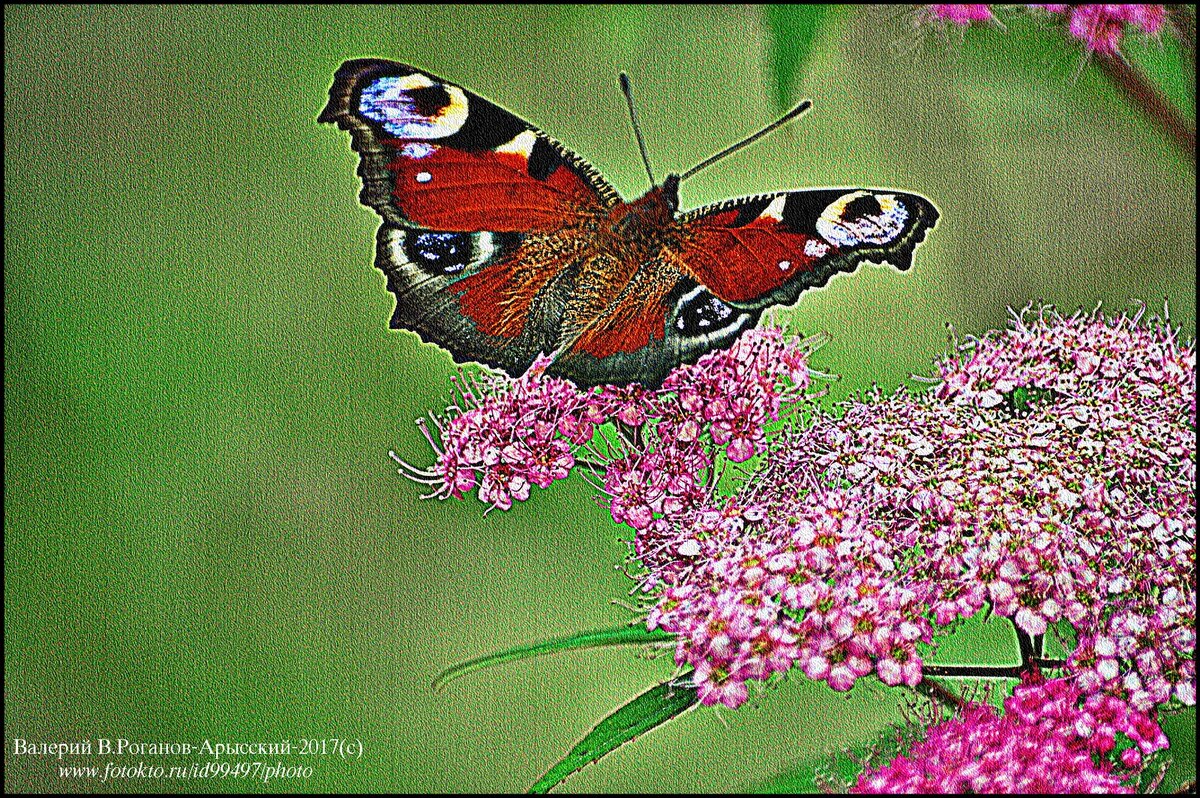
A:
[960,13]
[501,484]
[719,685]
[1101,27]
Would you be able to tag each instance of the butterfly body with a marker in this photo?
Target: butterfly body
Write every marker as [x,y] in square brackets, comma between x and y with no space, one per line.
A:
[501,245]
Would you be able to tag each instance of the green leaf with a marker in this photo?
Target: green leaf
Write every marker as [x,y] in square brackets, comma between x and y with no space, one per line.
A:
[793,29]
[620,636]
[652,708]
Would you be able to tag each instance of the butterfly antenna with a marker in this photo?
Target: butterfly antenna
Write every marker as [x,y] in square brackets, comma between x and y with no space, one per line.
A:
[637,131]
[783,120]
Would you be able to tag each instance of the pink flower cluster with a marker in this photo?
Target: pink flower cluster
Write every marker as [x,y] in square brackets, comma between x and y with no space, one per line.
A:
[503,436]
[767,585]
[725,402]
[1050,476]
[1100,26]
[1052,739]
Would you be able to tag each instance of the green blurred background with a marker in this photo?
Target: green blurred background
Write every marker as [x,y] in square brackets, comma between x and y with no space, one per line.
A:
[204,536]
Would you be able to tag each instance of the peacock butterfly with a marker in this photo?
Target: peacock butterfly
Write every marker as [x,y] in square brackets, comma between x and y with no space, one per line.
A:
[500,244]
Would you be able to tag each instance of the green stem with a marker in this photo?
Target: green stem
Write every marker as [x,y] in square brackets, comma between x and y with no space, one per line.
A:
[1141,94]
[992,671]
[1183,18]
[940,693]
[592,465]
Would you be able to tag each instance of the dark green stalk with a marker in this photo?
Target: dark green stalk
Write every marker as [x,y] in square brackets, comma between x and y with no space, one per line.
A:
[1144,96]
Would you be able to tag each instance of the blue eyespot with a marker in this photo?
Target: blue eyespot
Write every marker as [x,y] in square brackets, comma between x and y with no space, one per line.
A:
[439,253]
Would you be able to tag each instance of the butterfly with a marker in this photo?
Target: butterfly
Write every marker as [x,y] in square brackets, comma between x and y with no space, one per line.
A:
[501,245]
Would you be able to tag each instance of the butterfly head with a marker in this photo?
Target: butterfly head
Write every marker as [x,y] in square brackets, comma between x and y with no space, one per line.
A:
[670,192]
[645,218]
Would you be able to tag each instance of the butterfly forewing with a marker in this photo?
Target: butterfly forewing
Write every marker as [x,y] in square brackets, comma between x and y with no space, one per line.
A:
[766,250]
[437,156]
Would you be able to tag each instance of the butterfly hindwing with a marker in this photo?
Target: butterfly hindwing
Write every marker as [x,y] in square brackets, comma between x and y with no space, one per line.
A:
[766,250]
[492,298]
[648,334]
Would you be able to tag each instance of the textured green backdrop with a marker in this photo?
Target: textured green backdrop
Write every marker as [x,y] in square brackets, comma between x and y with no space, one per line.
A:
[204,536]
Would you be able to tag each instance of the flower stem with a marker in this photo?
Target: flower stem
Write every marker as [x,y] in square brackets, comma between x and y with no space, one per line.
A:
[591,465]
[992,671]
[939,692]
[1142,94]
[1183,17]
[1031,647]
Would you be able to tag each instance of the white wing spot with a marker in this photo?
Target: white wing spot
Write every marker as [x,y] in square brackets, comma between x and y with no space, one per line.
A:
[775,209]
[784,265]
[417,150]
[815,249]
[521,144]
[424,177]
[415,81]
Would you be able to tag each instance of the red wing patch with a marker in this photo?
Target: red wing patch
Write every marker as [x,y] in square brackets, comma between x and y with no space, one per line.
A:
[443,188]
[741,264]
[631,326]
[489,298]
[500,298]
